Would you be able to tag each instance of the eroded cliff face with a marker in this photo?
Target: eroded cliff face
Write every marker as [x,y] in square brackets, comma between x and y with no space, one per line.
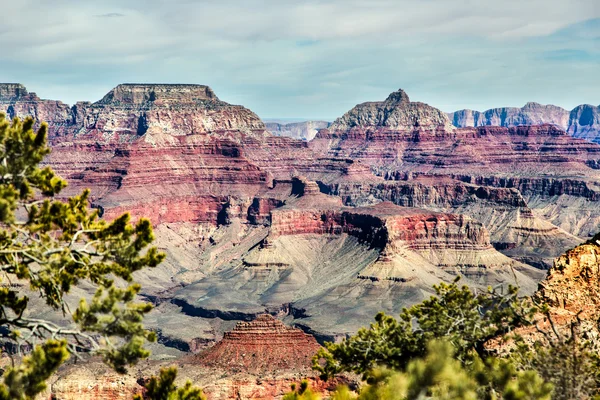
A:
[253,222]
[16,101]
[572,284]
[584,122]
[581,122]
[530,114]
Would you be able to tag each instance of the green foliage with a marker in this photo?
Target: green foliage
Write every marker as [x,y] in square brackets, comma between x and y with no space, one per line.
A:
[163,388]
[301,393]
[440,376]
[462,318]
[50,246]
[567,356]
[29,378]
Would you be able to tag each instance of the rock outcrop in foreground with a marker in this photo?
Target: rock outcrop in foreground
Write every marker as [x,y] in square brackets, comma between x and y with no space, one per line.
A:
[264,344]
[573,283]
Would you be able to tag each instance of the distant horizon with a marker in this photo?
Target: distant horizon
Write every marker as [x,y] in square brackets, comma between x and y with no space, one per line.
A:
[286,119]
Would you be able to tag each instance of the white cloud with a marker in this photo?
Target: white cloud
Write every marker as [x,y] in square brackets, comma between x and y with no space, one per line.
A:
[308,58]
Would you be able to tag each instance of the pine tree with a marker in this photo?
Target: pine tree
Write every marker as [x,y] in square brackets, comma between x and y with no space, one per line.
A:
[49,246]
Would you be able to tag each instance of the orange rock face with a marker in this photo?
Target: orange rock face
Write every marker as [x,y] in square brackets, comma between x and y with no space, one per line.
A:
[573,283]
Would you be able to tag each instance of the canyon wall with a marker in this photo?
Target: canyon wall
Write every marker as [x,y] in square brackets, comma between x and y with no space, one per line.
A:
[388,200]
[581,122]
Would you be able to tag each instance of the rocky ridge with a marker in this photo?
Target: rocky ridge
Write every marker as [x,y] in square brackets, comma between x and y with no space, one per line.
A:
[581,122]
[305,130]
[388,200]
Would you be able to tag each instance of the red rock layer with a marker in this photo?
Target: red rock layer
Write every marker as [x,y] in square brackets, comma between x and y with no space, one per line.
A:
[383,224]
[264,344]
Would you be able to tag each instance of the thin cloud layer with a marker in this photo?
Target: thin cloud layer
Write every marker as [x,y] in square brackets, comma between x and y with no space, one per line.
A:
[311,59]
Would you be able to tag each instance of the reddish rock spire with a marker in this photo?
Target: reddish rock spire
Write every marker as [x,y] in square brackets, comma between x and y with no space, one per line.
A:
[264,344]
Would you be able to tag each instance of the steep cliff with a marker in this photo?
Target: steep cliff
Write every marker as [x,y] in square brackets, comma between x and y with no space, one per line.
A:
[16,101]
[584,122]
[581,122]
[530,114]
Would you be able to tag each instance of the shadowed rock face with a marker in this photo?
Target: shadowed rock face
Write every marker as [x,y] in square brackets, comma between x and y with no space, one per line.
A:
[584,122]
[16,101]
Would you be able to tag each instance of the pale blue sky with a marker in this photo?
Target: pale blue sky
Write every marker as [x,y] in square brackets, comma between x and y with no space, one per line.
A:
[310,59]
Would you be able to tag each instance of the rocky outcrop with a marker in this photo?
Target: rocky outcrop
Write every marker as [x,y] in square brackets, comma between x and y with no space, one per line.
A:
[92,382]
[262,345]
[16,101]
[161,112]
[396,113]
[584,122]
[305,130]
[573,282]
[530,114]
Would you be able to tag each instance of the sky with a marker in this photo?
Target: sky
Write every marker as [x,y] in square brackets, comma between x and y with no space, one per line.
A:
[310,59]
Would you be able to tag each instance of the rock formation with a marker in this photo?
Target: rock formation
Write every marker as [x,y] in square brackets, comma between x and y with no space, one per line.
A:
[397,112]
[581,122]
[305,130]
[264,344]
[584,122]
[388,200]
[530,114]
[573,283]
[16,101]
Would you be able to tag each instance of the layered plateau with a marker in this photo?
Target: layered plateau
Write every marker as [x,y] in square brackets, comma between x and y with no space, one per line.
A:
[388,200]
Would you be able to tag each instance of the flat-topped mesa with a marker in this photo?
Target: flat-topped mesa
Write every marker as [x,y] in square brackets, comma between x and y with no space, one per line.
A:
[396,113]
[157,113]
[139,94]
[262,345]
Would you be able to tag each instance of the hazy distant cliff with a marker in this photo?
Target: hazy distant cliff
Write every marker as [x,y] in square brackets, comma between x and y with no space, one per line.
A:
[582,122]
[305,130]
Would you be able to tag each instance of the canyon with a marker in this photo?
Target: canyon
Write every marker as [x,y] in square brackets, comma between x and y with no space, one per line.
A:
[386,201]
